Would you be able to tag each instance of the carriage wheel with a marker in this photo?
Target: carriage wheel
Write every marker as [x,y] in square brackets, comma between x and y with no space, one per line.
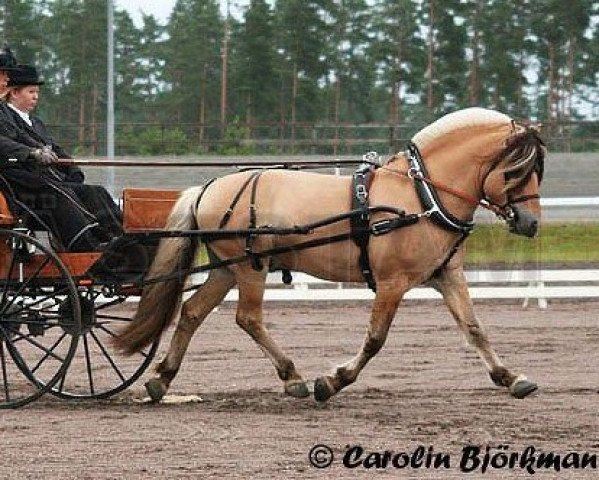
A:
[36,344]
[97,369]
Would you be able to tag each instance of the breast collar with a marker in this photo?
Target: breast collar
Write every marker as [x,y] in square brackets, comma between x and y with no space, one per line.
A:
[429,198]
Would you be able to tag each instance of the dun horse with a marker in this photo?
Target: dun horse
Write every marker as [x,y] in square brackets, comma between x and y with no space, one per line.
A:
[470,157]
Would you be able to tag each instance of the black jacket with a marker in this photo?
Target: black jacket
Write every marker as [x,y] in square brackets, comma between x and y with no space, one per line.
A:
[81,216]
[17,139]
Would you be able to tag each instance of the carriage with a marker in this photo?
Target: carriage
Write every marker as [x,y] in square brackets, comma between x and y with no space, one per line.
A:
[56,321]
[62,330]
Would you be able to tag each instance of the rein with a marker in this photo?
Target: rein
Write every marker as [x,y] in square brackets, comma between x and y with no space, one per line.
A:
[412,174]
[504,211]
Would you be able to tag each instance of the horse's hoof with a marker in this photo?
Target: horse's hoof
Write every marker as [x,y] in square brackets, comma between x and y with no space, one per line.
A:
[322,390]
[156,389]
[297,390]
[523,388]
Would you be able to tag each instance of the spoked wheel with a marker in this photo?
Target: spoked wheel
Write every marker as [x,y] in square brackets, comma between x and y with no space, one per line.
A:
[97,369]
[39,311]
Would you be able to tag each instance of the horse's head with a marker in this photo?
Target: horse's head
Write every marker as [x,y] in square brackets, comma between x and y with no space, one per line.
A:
[514,179]
[508,156]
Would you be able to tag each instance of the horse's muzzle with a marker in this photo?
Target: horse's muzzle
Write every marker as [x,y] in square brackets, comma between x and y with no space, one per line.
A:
[522,222]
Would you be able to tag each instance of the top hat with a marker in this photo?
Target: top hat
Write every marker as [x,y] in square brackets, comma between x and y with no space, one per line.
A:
[24,75]
[8,62]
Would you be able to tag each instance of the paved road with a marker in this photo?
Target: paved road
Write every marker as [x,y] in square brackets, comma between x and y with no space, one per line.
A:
[566,175]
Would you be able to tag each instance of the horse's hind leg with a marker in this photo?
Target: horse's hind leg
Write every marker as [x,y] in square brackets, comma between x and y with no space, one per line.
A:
[249,318]
[385,305]
[193,313]
[451,283]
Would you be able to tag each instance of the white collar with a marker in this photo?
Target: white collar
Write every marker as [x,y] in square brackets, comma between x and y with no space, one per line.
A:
[23,115]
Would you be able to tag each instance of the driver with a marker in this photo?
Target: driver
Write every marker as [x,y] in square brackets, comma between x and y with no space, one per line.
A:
[81,217]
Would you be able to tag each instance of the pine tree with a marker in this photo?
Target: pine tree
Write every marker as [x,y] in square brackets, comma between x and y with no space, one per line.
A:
[79,71]
[400,54]
[301,42]
[349,62]
[193,63]
[254,73]
[21,28]
[560,29]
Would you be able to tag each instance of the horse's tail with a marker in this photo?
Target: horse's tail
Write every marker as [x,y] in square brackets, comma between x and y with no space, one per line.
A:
[160,300]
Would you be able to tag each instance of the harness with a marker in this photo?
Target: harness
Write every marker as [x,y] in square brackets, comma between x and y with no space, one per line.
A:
[429,200]
[428,195]
[431,203]
[359,223]
[360,228]
[255,260]
[359,217]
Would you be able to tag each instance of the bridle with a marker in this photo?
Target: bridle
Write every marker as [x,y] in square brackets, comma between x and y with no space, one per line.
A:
[505,211]
[501,210]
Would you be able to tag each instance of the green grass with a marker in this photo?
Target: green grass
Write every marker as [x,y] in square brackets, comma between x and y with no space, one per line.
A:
[557,243]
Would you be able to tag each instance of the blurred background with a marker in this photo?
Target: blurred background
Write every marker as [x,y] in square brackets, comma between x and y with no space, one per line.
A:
[305,76]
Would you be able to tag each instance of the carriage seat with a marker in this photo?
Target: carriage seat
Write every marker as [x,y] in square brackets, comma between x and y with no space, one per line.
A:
[147,209]
[6,216]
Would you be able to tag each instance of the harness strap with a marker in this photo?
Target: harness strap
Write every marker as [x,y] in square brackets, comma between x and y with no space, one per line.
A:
[249,242]
[201,195]
[452,252]
[253,179]
[196,207]
[229,212]
[428,196]
[403,221]
[359,223]
[523,198]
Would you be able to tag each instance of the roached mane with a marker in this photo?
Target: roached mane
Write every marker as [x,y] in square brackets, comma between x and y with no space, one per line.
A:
[468,117]
[524,152]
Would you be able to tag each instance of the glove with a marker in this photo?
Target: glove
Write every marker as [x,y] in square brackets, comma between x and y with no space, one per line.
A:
[44,155]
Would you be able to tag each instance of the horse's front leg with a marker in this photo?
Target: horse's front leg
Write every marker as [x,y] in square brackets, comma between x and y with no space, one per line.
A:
[451,283]
[385,305]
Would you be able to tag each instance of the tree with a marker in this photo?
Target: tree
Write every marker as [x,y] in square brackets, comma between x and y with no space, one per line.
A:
[301,42]
[20,28]
[128,63]
[139,61]
[255,63]
[79,64]
[560,29]
[308,61]
[497,63]
[349,62]
[399,53]
[192,62]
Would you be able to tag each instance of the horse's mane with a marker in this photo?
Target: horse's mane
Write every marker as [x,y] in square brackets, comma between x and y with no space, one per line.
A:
[468,117]
[524,152]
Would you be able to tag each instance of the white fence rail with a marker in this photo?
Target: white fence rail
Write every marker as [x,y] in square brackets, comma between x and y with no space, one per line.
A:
[569,201]
[525,285]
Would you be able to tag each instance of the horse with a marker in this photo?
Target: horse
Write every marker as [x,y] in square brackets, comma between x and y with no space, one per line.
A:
[469,157]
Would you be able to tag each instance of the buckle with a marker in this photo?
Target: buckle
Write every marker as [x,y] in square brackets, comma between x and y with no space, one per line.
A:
[372,158]
[381,227]
[361,192]
[413,173]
